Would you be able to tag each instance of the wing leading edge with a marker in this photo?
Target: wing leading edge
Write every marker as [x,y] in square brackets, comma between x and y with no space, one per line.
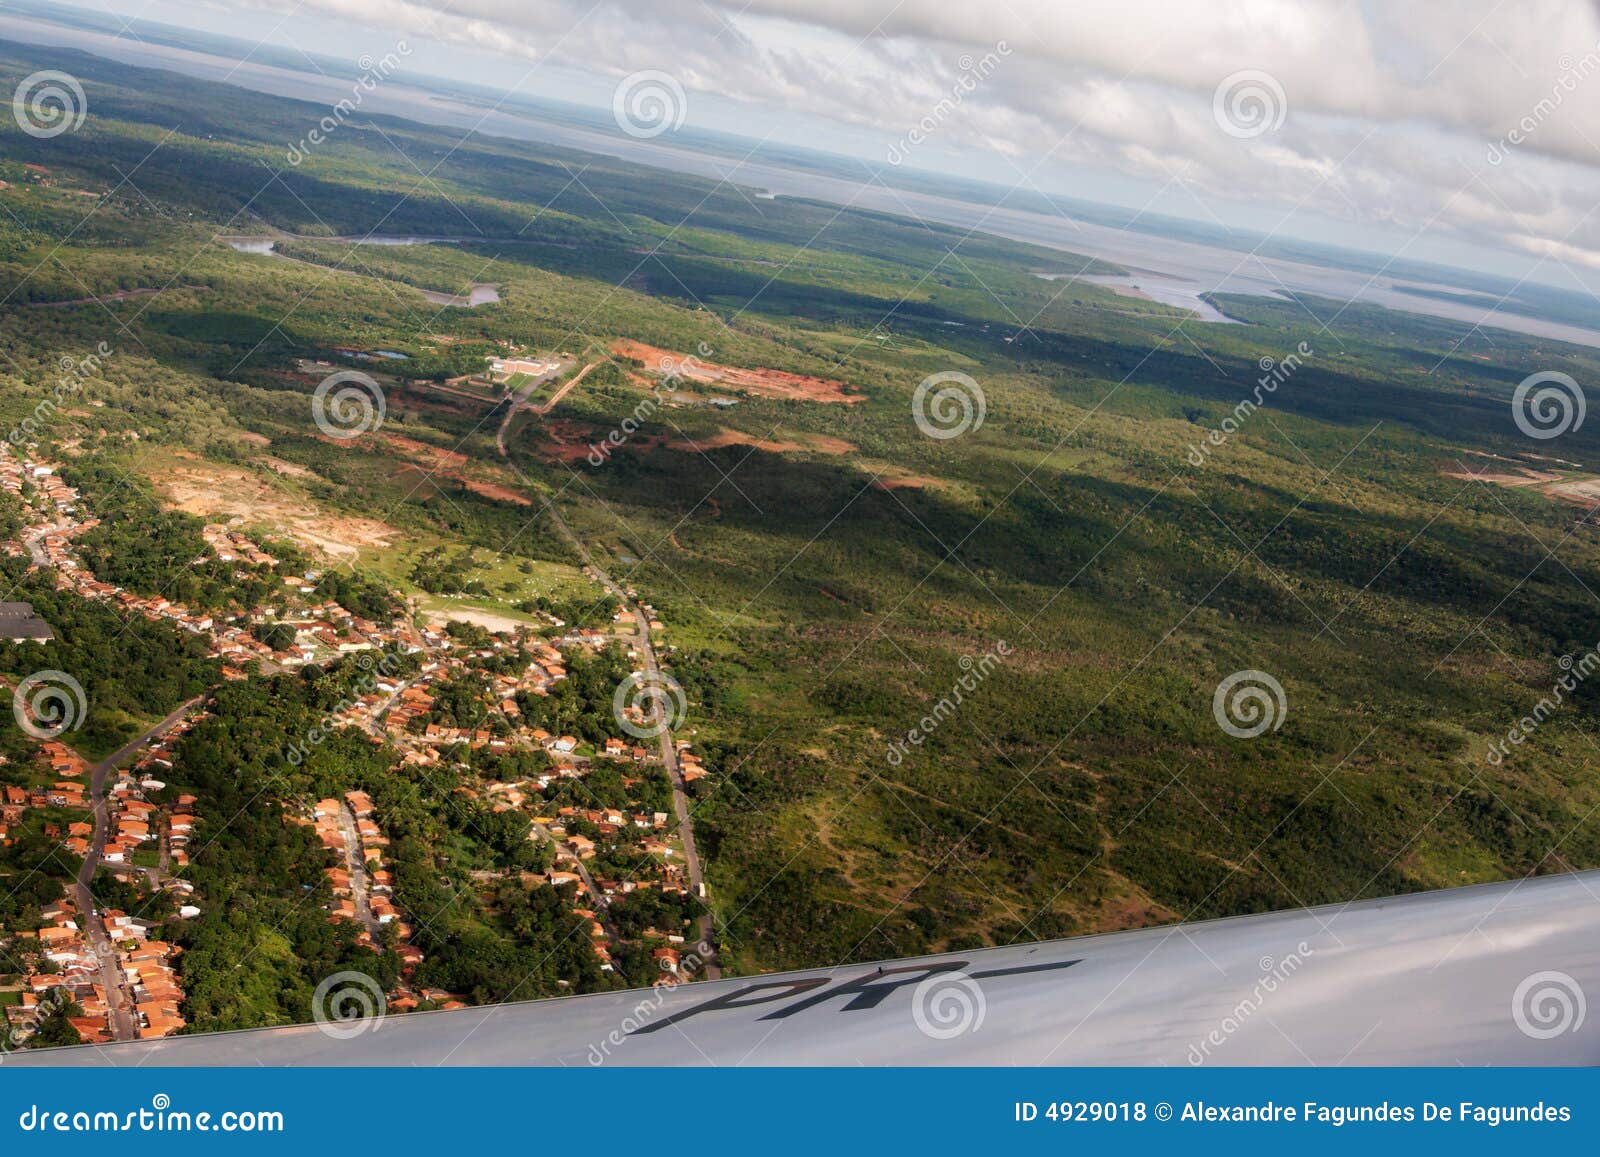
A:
[1494,974]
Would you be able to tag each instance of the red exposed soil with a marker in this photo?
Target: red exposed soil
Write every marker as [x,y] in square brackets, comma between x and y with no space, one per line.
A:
[1574,490]
[1522,476]
[563,440]
[433,454]
[901,482]
[819,443]
[763,383]
[453,465]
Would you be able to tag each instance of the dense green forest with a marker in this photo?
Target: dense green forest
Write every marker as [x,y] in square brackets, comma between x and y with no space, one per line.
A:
[132,670]
[826,571]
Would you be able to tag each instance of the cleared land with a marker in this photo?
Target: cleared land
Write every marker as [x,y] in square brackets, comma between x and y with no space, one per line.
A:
[760,382]
[220,492]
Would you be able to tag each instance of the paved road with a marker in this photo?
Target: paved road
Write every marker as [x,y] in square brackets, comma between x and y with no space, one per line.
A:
[118,996]
[374,724]
[155,731]
[669,752]
[357,867]
[94,930]
[117,992]
[34,541]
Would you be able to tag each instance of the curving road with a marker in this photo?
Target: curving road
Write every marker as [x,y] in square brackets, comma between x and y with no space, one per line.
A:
[34,541]
[601,901]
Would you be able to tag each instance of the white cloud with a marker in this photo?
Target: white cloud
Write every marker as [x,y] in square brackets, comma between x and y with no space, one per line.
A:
[1394,112]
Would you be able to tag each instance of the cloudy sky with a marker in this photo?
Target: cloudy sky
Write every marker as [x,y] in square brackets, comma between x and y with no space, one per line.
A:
[1466,131]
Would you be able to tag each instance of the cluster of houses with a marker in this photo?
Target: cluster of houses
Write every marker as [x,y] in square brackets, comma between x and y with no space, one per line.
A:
[573,850]
[689,763]
[72,974]
[67,969]
[325,631]
[396,709]
[581,834]
[229,545]
[148,984]
[609,822]
[320,631]
[42,477]
[137,821]
[147,981]
[402,704]
[363,887]
[149,977]
[66,792]
[388,708]
[59,518]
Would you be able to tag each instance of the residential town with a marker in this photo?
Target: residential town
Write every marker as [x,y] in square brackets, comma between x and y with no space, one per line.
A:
[600,813]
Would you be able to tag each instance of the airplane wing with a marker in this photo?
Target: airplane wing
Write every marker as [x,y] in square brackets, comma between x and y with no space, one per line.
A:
[1494,974]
